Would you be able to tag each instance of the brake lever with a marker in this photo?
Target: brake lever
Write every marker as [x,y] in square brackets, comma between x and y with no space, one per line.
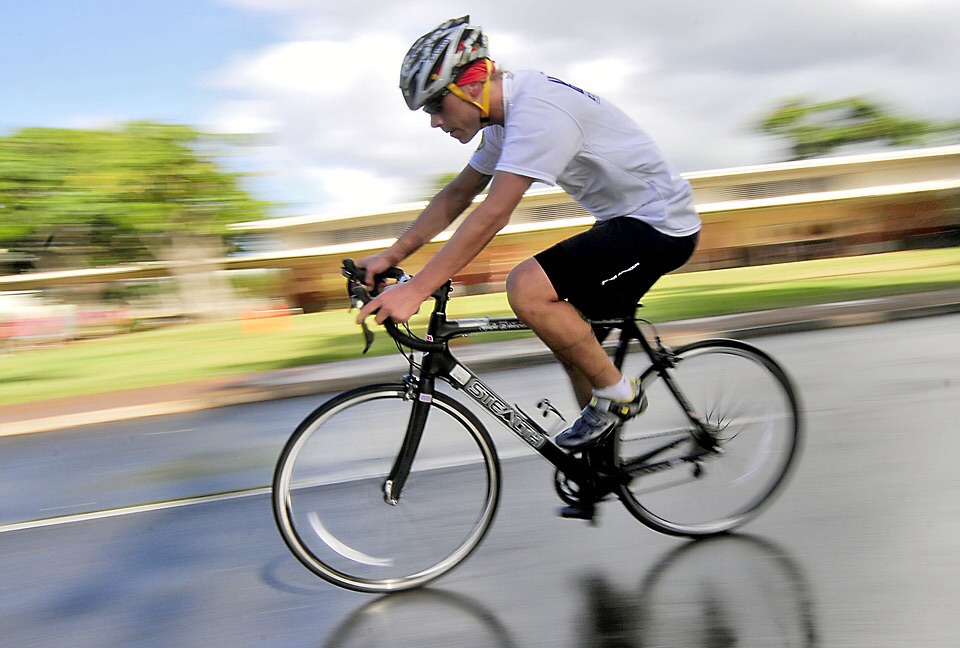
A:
[358,297]
[367,337]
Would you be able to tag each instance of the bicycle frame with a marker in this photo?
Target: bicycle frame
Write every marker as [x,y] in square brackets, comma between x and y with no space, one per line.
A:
[439,362]
[442,364]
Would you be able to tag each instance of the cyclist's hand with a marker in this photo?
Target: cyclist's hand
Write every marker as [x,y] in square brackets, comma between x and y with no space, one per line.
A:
[399,302]
[374,264]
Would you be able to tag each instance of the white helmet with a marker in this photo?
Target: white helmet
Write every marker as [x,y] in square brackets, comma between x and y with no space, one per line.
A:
[437,58]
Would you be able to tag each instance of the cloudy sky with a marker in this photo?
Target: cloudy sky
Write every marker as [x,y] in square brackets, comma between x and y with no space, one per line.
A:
[318,78]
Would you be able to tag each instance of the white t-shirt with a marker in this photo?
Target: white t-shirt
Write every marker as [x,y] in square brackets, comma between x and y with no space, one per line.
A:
[561,135]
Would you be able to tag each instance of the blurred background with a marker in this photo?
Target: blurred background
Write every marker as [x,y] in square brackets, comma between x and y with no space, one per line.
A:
[168,162]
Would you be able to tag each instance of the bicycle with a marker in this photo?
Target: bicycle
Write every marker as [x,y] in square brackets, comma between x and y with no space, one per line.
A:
[389,486]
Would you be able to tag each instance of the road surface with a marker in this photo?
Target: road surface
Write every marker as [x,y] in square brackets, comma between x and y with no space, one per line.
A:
[158,532]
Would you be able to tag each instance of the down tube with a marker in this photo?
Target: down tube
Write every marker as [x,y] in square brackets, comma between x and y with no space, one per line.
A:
[512,418]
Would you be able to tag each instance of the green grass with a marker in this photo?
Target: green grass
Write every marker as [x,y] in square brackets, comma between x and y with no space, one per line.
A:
[197,351]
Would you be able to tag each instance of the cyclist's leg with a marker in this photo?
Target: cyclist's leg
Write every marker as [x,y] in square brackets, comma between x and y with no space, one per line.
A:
[561,327]
[601,273]
[582,389]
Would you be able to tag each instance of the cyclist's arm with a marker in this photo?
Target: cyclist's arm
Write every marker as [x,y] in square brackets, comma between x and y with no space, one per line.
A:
[401,301]
[442,210]
[476,231]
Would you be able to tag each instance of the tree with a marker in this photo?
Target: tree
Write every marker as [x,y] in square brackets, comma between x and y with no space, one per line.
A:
[145,192]
[815,129]
[116,196]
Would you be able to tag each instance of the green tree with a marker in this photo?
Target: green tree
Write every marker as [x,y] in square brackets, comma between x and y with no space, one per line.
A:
[117,195]
[144,192]
[819,128]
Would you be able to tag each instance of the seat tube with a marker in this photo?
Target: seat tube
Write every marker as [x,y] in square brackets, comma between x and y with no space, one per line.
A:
[411,441]
[628,332]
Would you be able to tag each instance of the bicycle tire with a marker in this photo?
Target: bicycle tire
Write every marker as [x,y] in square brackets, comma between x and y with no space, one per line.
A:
[749,402]
[328,497]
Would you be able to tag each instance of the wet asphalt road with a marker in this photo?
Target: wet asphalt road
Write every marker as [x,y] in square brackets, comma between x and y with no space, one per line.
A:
[861,549]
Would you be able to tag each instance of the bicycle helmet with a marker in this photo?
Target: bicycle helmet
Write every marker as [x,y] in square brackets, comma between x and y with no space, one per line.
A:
[437,59]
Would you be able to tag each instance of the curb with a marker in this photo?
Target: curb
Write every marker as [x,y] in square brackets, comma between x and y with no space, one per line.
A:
[339,376]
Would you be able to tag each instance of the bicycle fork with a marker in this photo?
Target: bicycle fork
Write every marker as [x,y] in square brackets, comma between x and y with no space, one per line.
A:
[397,478]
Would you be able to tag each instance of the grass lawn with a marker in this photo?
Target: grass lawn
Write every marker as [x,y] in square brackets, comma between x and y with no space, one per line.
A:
[195,351]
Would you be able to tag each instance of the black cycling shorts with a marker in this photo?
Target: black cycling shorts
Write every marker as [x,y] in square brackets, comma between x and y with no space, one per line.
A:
[605,271]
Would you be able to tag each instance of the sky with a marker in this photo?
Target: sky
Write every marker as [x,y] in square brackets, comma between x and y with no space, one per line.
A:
[317,79]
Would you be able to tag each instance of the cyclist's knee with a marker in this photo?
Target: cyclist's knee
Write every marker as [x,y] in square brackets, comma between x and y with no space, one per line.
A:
[515,276]
[528,284]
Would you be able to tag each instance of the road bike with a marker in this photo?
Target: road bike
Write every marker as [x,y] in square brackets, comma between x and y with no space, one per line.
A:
[389,486]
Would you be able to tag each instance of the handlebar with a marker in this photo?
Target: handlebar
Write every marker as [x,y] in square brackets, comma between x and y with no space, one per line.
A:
[360,295]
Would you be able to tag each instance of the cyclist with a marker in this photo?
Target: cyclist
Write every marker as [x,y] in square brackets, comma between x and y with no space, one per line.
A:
[536,128]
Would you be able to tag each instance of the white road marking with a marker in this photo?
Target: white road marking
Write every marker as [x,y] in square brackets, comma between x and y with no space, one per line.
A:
[131,510]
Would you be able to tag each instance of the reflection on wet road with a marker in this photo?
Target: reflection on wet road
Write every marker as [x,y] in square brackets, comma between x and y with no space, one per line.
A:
[736,590]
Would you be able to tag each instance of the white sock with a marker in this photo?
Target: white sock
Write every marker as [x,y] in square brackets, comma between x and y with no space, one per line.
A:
[621,391]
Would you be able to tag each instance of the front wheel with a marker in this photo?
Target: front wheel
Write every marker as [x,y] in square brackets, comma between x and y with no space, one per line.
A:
[328,490]
[680,485]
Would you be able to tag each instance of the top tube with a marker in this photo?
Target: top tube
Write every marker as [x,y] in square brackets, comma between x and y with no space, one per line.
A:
[440,330]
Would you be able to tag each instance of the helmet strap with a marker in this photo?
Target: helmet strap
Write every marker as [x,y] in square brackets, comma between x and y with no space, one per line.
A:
[484,103]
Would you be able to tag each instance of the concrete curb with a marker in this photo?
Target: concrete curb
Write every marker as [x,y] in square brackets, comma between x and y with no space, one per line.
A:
[338,376]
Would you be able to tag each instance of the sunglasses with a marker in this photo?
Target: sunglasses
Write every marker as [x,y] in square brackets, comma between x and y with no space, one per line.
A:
[433,106]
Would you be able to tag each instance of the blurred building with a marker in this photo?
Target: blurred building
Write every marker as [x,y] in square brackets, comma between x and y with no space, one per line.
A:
[752,215]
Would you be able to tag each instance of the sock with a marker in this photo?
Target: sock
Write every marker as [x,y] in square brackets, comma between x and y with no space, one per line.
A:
[621,391]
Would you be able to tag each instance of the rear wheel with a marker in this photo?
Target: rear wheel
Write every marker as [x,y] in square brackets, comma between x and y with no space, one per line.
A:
[328,490]
[694,488]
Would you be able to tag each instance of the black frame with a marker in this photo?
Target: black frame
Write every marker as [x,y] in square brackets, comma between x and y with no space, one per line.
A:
[592,471]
